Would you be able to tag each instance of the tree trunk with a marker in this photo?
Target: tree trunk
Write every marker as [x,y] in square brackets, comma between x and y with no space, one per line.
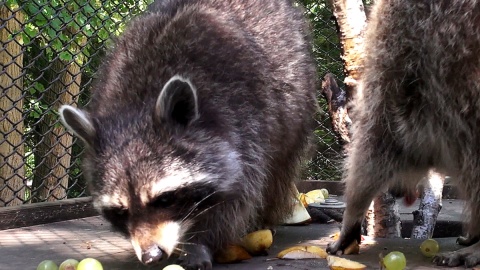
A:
[425,218]
[383,220]
[12,170]
[55,148]
[351,20]
[387,218]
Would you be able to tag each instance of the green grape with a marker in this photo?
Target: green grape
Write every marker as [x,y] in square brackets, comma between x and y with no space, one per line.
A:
[429,248]
[47,265]
[395,260]
[69,264]
[89,264]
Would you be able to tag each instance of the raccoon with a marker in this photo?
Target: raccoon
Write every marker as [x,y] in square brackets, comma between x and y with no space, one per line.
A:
[418,108]
[199,122]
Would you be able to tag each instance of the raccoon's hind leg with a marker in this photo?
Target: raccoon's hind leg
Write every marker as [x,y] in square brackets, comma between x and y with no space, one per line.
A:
[369,171]
[469,256]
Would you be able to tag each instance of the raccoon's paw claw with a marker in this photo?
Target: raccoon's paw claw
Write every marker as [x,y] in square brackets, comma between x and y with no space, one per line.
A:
[467,241]
[335,247]
[469,257]
[347,237]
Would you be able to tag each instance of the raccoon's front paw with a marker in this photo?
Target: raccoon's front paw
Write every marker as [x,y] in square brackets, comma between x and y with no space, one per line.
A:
[469,257]
[347,237]
[196,257]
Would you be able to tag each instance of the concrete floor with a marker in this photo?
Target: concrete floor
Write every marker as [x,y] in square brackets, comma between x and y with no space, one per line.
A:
[24,248]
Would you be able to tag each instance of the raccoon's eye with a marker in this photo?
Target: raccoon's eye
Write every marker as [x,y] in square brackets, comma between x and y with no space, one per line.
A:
[164,200]
[119,213]
[118,217]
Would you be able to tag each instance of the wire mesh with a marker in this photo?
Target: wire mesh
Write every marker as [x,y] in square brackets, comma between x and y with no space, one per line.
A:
[49,55]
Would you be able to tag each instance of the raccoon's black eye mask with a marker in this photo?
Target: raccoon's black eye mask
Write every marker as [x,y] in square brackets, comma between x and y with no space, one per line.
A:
[118,217]
[201,195]
[164,200]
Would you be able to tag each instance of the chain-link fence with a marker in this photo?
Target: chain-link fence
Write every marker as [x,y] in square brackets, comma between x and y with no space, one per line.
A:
[50,52]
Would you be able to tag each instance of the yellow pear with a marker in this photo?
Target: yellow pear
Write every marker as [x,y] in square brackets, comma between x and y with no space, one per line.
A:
[257,242]
[302,252]
[231,254]
[337,263]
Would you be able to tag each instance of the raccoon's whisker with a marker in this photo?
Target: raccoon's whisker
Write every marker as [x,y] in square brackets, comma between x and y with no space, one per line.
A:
[190,238]
[188,243]
[188,233]
[206,209]
[196,205]
[180,250]
[191,235]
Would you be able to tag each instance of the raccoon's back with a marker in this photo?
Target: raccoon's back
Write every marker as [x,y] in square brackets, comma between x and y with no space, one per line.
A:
[249,61]
[421,71]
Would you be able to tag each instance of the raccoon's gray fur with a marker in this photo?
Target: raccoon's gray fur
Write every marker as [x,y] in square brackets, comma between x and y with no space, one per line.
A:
[199,122]
[418,108]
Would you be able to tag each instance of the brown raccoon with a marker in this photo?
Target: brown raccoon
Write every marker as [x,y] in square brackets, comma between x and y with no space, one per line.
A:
[418,108]
[199,122]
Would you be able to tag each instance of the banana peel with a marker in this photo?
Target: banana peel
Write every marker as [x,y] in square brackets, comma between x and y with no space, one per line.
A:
[302,252]
[337,263]
[231,254]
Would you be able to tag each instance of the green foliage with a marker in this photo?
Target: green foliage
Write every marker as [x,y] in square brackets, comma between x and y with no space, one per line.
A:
[65,31]
[79,31]
[325,37]
[326,48]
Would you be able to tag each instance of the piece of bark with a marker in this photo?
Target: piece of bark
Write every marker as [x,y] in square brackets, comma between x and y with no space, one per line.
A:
[336,99]
[351,21]
[382,218]
[424,219]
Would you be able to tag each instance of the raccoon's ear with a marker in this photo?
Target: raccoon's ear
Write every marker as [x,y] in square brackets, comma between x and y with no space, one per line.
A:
[78,122]
[177,103]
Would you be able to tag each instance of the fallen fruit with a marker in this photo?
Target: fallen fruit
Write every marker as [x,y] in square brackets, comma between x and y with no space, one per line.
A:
[325,193]
[302,252]
[337,263]
[173,267]
[429,248]
[315,196]
[302,198]
[89,264]
[335,236]
[353,248]
[257,242]
[69,264]
[394,260]
[47,265]
[299,215]
[232,253]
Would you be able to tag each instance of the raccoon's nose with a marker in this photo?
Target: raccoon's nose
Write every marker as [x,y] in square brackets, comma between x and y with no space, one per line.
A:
[153,255]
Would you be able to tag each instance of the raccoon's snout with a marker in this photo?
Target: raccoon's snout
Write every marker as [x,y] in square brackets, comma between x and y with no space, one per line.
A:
[153,255]
[155,243]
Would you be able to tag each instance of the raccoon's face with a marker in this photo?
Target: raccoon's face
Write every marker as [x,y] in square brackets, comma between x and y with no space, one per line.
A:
[154,191]
[158,211]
